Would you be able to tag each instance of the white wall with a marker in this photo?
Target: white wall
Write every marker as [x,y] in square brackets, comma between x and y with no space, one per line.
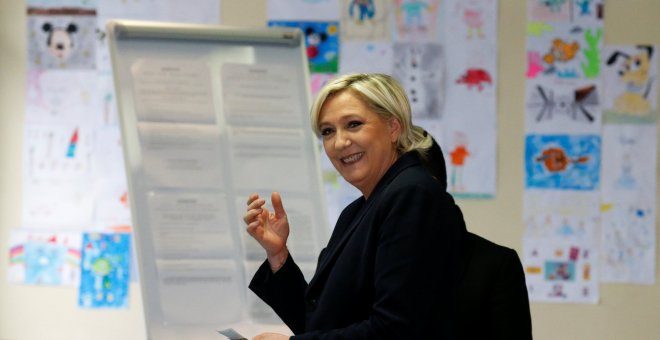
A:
[625,311]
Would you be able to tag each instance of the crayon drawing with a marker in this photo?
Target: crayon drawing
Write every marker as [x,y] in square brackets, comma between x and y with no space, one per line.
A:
[104,270]
[321,42]
[365,20]
[628,243]
[630,82]
[420,69]
[61,38]
[44,258]
[416,20]
[564,162]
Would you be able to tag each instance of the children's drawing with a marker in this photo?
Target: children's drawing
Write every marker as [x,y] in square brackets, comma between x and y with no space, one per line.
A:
[572,105]
[416,19]
[105,270]
[366,57]
[43,258]
[61,38]
[631,80]
[58,152]
[629,165]
[628,243]
[365,20]
[457,156]
[419,68]
[565,162]
[565,52]
[556,272]
[475,78]
[62,97]
[321,41]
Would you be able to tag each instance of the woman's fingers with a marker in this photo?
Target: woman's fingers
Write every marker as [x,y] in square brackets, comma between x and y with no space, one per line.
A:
[277,205]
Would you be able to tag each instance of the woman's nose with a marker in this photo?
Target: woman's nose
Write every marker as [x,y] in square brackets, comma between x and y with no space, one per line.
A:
[342,141]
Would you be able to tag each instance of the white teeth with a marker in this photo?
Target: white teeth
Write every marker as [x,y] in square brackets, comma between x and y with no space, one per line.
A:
[352,158]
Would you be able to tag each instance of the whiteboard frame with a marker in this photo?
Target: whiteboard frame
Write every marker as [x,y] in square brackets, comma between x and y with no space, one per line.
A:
[121,34]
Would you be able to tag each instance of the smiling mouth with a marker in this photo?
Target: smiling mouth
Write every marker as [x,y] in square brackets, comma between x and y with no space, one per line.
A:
[352,158]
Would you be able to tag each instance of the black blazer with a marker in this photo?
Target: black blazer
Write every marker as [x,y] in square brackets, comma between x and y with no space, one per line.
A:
[388,271]
[492,301]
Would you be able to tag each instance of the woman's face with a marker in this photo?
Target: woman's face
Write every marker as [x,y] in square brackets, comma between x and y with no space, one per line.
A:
[360,144]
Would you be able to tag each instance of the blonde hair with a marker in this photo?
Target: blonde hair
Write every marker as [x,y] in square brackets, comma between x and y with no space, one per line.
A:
[383,95]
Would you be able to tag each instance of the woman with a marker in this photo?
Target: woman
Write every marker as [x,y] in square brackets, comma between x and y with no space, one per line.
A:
[389,267]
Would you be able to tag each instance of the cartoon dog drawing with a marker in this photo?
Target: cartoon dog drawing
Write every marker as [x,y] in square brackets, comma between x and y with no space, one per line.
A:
[634,72]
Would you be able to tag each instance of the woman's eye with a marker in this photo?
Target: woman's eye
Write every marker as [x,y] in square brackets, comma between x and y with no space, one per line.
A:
[326,131]
[354,124]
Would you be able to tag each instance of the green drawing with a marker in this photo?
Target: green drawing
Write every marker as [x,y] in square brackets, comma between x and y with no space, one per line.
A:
[591,68]
[537,28]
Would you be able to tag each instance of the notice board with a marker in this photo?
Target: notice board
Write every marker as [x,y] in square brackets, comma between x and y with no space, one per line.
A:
[210,114]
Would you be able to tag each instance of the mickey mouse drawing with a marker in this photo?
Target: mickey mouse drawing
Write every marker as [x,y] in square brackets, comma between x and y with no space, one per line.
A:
[313,40]
[60,41]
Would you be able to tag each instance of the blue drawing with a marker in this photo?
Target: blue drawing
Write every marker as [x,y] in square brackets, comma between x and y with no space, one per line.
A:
[44,262]
[584,7]
[104,270]
[565,162]
[413,10]
[366,8]
[560,271]
[321,41]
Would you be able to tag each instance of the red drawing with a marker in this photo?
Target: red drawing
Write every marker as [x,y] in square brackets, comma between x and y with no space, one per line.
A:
[475,77]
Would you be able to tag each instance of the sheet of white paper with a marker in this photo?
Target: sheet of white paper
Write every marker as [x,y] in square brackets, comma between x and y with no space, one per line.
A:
[366,57]
[190,225]
[181,155]
[173,91]
[264,159]
[62,97]
[262,95]
[199,291]
[561,272]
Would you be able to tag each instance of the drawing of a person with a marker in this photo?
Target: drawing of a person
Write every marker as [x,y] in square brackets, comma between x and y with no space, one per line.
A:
[457,157]
[474,22]
[366,8]
[412,10]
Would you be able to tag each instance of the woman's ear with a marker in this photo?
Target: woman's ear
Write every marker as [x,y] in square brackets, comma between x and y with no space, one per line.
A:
[395,129]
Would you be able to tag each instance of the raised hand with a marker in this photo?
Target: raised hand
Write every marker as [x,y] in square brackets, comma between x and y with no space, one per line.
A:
[270,229]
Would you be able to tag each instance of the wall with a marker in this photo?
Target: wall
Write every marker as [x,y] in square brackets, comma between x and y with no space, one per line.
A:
[625,311]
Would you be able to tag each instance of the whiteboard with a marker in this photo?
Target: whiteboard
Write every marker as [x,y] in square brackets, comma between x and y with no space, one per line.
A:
[210,114]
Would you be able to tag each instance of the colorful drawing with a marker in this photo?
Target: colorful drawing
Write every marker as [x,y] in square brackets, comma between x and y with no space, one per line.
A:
[365,7]
[534,64]
[635,72]
[71,151]
[474,22]
[458,155]
[416,19]
[41,258]
[627,244]
[559,271]
[321,41]
[105,270]
[365,20]
[562,162]
[591,65]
